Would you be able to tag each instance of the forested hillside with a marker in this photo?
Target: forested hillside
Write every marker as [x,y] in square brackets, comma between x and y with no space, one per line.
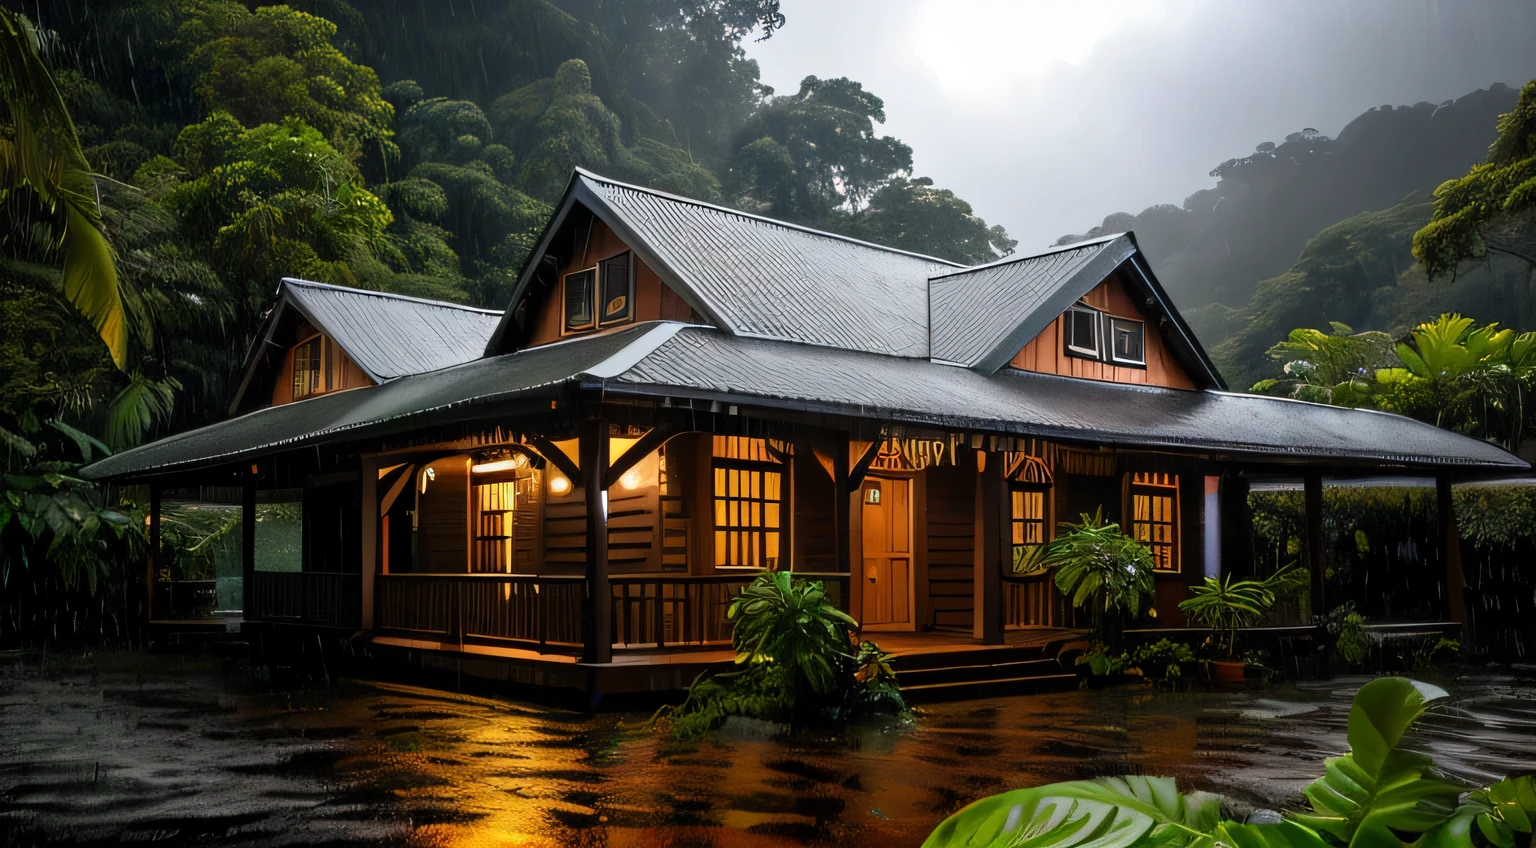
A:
[406,146]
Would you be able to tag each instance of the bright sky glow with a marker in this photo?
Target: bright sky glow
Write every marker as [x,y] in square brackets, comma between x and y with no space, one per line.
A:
[983,47]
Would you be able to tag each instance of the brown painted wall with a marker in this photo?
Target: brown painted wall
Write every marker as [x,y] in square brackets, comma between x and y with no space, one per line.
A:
[654,300]
[1047,355]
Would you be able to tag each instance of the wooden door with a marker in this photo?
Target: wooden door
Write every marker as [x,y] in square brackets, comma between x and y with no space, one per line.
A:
[887,566]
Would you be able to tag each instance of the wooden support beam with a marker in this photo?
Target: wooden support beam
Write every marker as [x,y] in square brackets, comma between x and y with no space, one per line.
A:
[556,457]
[248,542]
[860,468]
[992,505]
[156,492]
[1317,558]
[653,439]
[597,613]
[368,540]
[1450,551]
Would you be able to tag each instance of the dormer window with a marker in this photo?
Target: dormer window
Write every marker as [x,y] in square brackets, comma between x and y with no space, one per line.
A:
[1083,326]
[311,366]
[1092,334]
[600,296]
[1128,342]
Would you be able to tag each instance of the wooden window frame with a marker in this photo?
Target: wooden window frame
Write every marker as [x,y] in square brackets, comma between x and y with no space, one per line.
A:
[760,468]
[322,371]
[1069,336]
[1114,323]
[1155,485]
[629,291]
[565,325]
[1015,521]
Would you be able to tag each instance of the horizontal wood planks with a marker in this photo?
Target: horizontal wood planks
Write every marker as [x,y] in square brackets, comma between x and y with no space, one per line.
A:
[950,516]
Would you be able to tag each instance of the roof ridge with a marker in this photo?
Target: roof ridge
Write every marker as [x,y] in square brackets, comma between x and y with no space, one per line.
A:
[1010,259]
[391,296]
[583,172]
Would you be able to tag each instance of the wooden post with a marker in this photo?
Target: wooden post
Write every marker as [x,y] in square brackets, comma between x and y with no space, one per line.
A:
[1317,559]
[1450,541]
[369,540]
[992,547]
[156,491]
[841,511]
[248,542]
[1236,526]
[597,616]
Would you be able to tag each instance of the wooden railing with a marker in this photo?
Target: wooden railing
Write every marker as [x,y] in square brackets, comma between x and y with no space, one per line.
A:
[533,609]
[323,598]
[657,610]
[1032,601]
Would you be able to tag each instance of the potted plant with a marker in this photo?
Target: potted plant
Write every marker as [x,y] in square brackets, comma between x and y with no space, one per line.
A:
[1225,605]
[1103,570]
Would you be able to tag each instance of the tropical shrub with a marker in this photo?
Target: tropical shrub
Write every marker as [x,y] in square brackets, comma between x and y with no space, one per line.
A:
[1224,604]
[1379,795]
[798,663]
[1101,569]
[1164,660]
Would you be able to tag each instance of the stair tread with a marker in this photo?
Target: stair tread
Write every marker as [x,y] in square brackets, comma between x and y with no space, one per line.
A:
[922,687]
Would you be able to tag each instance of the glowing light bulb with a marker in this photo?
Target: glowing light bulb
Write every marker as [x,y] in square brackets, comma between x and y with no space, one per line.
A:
[631,479]
[559,485]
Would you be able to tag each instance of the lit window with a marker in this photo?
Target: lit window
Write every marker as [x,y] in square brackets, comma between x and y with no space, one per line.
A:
[1030,525]
[1155,517]
[618,290]
[749,483]
[1128,340]
[579,288]
[309,367]
[1082,331]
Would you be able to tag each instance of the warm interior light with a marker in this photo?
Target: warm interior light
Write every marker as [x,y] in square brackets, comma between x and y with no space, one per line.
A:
[631,479]
[559,485]
[427,474]
[500,465]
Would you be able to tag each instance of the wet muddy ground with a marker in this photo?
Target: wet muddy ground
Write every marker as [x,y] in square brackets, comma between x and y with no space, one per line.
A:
[120,749]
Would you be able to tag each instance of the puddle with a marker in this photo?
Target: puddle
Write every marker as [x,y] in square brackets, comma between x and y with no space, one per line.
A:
[140,750]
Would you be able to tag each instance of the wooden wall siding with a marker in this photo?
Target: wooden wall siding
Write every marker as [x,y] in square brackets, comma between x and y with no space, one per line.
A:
[1047,355]
[951,510]
[527,523]
[815,530]
[443,526]
[654,300]
[351,376]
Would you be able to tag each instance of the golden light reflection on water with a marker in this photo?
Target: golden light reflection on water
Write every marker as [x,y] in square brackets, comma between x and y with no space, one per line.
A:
[464,771]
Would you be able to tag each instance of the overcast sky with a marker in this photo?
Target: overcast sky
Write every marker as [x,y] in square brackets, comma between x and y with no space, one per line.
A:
[1047,116]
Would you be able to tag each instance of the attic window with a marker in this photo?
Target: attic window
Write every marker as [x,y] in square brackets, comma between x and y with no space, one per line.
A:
[600,296]
[579,288]
[1082,331]
[1128,341]
[311,364]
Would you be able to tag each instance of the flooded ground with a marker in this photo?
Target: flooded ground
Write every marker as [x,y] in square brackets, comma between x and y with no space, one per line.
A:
[124,748]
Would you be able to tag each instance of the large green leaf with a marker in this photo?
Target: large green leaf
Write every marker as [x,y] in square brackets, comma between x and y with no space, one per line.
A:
[1503,814]
[1116,812]
[1378,790]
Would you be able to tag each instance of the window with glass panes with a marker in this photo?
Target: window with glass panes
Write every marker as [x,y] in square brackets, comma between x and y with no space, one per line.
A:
[309,367]
[1030,523]
[1155,517]
[749,500]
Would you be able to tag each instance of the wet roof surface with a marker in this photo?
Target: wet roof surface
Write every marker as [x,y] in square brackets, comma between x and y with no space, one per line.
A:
[768,278]
[664,358]
[391,335]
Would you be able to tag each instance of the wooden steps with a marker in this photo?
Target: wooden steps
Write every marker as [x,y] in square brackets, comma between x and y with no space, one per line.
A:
[979,671]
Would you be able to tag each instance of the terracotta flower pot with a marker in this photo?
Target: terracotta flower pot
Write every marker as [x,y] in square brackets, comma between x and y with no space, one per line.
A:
[1223,671]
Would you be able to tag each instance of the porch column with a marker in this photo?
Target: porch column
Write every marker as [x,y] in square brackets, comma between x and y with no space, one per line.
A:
[248,542]
[156,491]
[841,512]
[1450,542]
[1317,560]
[992,507]
[369,547]
[597,614]
[1236,526]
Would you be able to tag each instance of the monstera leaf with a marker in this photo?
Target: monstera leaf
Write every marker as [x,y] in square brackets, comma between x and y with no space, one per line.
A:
[1503,814]
[1116,812]
[1377,791]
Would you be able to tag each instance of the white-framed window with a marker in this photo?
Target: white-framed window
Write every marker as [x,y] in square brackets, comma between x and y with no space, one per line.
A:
[1127,341]
[1083,326]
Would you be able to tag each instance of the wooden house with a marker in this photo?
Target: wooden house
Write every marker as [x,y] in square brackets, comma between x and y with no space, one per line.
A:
[680,395]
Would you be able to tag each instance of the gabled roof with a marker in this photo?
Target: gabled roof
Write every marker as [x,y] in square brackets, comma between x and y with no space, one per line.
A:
[387,335]
[757,277]
[982,316]
[667,359]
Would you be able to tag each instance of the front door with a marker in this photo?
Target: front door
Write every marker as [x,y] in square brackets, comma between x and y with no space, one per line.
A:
[887,567]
